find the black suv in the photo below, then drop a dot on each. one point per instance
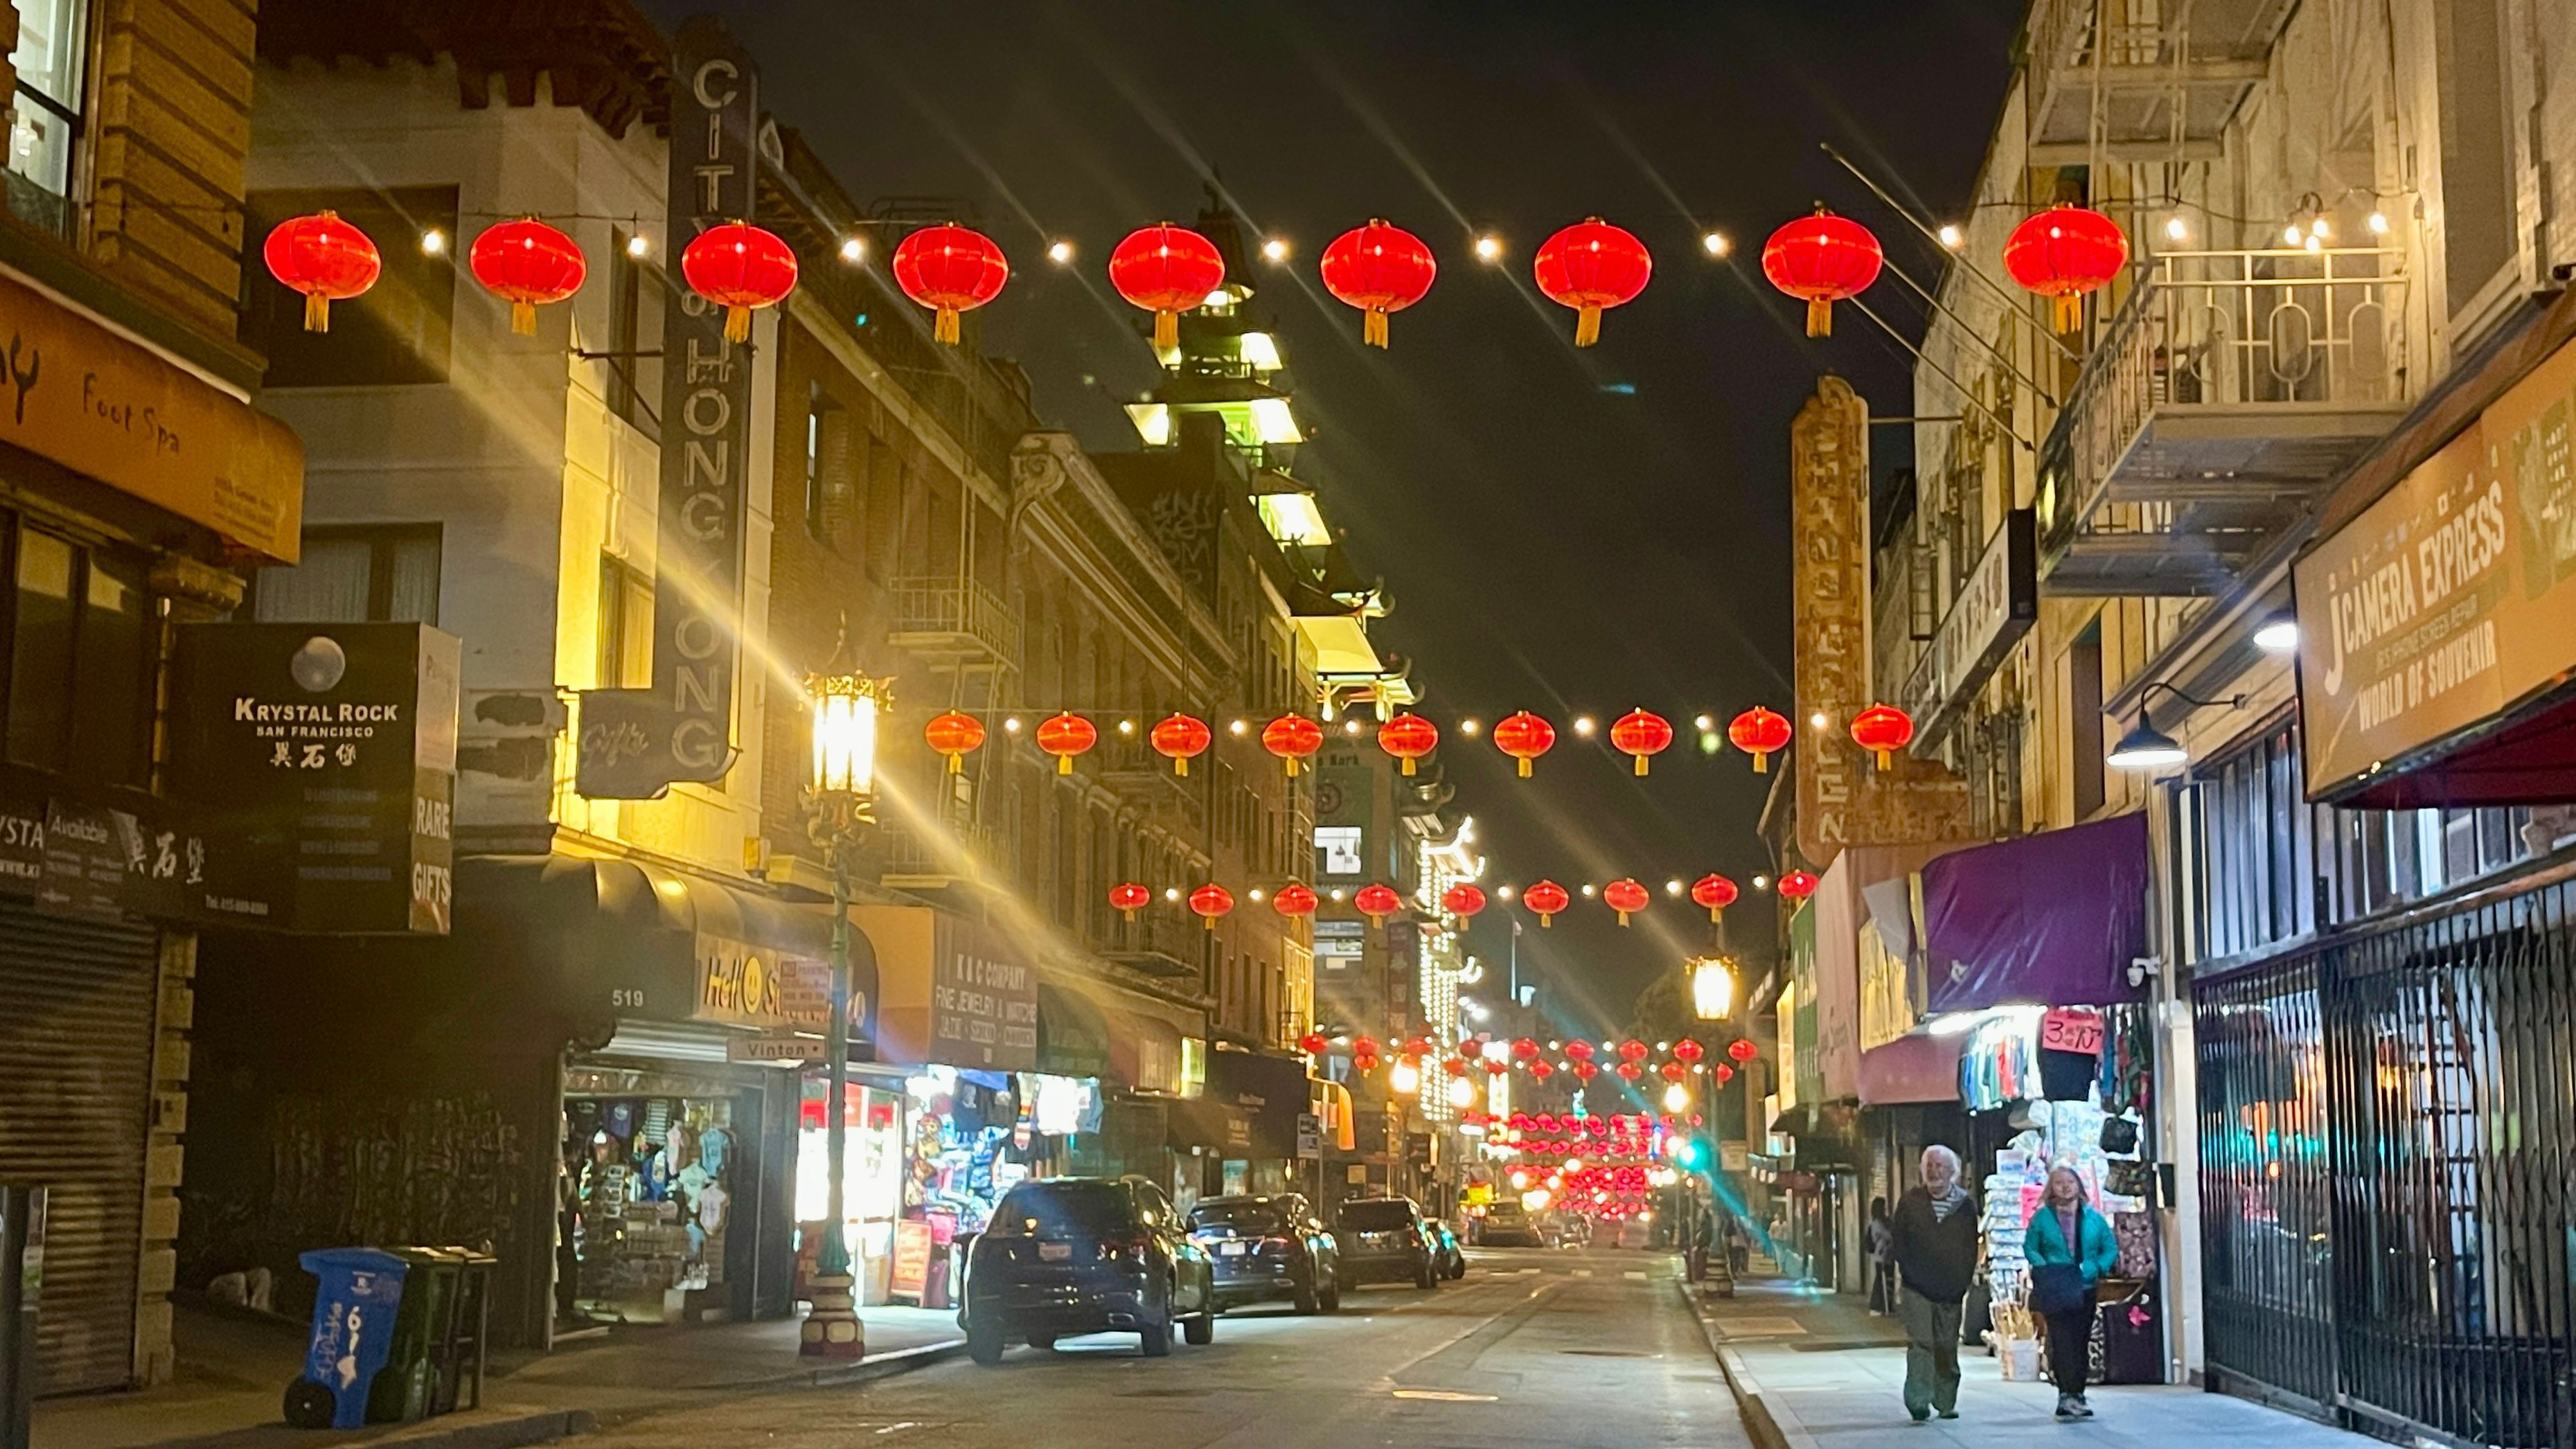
(1269, 1247)
(1385, 1240)
(1085, 1255)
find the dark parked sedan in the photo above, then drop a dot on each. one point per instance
(1384, 1240)
(1085, 1255)
(1269, 1247)
(1507, 1225)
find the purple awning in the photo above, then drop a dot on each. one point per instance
(2053, 918)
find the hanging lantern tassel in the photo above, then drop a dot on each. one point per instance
(737, 324)
(1623, 918)
(1886, 759)
(2070, 312)
(1167, 335)
(1820, 317)
(1373, 328)
(317, 313)
(943, 326)
(1762, 762)
(957, 766)
(1587, 326)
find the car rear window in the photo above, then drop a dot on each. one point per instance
(1258, 1216)
(1053, 1209)
(1503, 1212)
(1376, 1216)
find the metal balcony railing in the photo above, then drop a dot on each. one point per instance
(2145, 83)
(2225, 393)
(949, 853)
(1155, 942)
(951, 615)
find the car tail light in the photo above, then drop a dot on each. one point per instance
(1279, 1244)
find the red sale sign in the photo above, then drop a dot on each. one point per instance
(2071, 1031)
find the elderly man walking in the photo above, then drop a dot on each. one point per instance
(1935, 1234)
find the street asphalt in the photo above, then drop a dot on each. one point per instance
(1566, 1349)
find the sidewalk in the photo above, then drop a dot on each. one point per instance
(233, 1372)
(1816, 1371)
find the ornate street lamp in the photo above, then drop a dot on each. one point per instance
(840, 800)
(1712, 987)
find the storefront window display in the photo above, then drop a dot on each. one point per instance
(871, 1185)
(650, 1182)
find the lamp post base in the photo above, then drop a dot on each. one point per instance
(833, 1329)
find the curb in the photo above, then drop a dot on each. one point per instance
(1762, 1423)
(887, 1365)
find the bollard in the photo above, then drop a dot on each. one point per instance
(22, 1279)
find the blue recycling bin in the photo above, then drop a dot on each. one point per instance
(354, 1313)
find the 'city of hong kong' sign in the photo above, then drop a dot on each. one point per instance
(332, 748)
(635, 744)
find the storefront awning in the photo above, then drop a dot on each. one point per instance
(2053, 919)
(1917, 1068)
(1073, 1034)
(957, 991)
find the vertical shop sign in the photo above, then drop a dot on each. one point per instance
(681, 728)
(1841, 799)
(334, 748)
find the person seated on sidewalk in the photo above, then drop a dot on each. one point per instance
(1934, 1241)
(2070, 1248)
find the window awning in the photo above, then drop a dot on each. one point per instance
(2053, 919)
(1073, 1034)
(1341, 644)
(1916, 1068)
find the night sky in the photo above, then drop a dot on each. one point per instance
(1559, 530)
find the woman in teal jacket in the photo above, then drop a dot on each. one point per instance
(2067, 1232)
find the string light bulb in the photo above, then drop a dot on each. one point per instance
(637, 245)
(2176, 229)
(854, 249)
(1951, 236)
(2378, 223)
(433, 242)
(1715, 243)
(1275, 249)
(1060, 252)
(1489, 248)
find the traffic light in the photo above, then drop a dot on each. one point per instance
(1692, 1155)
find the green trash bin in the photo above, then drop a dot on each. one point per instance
(457, 1357)
(407, 1387)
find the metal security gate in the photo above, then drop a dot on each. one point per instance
(2388, 1131)
(76, 1024)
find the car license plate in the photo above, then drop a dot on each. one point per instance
(1054, 1252)
(1232, 1250)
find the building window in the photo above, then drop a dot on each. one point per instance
(822, 438)
(46, 121)
(2263, 865)
(2084, 712)
(354, 576)
(82, 646)
(625, 625)
(398, 331)
(634, 379)
(2477, 146)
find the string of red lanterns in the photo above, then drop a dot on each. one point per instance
(2063, 253)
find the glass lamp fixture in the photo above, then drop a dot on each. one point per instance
(1712, 987)
(845, 711)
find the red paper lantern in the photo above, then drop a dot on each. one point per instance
(1675, 1072)
(1312, 1043)
(1454, 1066)
(1797, 885)
(1688, 1052)
(1742, 1049)
(1211, 901)
(1065, 736)
(527, 264)
(2064, 253)
(1418, 1047)
(324, 258)
(1495, 1068)
(1524, 737)
(1181, 738)
(1715, 892)
(954, 735)
(739, 267)
(1292, 737)
(1365, 1046)
(1129, 897)
(1624, 896)
(1167, 270)
(1822, 259)
(950, 270)
(1760, 733)
(1408, 737)
(1547, 898)
(1630, 1071)
(1641, 734)
(1377, 902)
(1579, 1050)
(1524, 1048)
(1723, 1073)
(1633, 1050)
(1541, 1070)
(1379, 269)
(1585, 1071)
(1462, 899)
(1294, 900)
(1882, 730)
(1591, 266)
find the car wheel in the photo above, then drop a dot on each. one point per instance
(1331, 1297)
(1201, 1330)
(1042, 1341)
(1307, 1299)
(1423, 1277)
(984, 1340)
(1155, 1339)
